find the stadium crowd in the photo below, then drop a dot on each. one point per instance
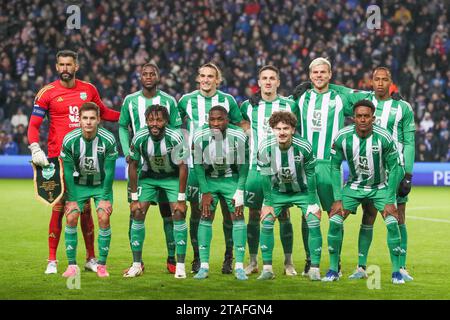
(117, 37)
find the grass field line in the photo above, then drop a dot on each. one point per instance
(428, 219)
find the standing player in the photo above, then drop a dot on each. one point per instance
(371, 155)
(397, 117)
(322, 113)
(163, 170)
(89, 154)
(221, 166)
(132, 116)
(288, 178)
(258, 115)
(60, 101)
(194, 109)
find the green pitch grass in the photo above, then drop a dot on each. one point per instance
(23, 254)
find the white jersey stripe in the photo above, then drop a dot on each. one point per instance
(323, 132)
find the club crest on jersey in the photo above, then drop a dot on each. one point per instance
(48, 171)
(101, 149)
(375, 149)
(83, 95)
(298, 158)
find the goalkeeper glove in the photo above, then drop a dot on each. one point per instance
(37, 155)
(405, 185)
(300, 89)
(255, 98)
(396, 96)
(238, 198)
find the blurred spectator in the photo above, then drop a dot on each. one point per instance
(10, 148)
(19, 119)
(427, 123)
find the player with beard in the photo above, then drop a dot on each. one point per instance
(60, 102)
(132, 118)
(162, 150)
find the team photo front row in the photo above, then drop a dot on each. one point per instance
(161, 164)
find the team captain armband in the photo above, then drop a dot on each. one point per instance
(38, 111)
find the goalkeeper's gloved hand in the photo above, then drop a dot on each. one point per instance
(300, 89)
(37, 155)
(396, 96)
(405, 185)
(238, 198)
(255, 98)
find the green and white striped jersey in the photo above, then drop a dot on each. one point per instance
(88, 157)
(321, 116)
(194, 107)
(396, 116)
(160, 157)
(258, 116)
(133, 109)
(220, 155)
(368, 158)
(289, 168)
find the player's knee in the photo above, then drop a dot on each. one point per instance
(138, 214)
(72, 219)
(103, 220)
(178, 216)
(195, 211)
(268, 223)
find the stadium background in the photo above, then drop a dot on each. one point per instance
(240, 36)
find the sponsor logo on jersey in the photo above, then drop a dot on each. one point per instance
(73, 114)
(83, 95)
(363, 165)
(285, 175)
(316, 120)
(49, 171)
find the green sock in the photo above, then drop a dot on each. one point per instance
(403, 244)
(204, 239)
(129, 229)
(71, 241)
(180, 235)
(393, 241)
(104, 241)
(170, 240)
(364, 241)
(286, 235)
(335, 240)
(193, 233)
(239, 239)
(266, 242)
(228, 233)
(253, 236)
(305, 236)
(314, 239)
(137, 239)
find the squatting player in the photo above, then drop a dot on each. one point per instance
(397, 117)
(163, 170)
(287, 165)
(194, 109)
(60, 102)
(220, 157)
(375, 169)
(89, 154)
(132, 116)
(258, 114)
